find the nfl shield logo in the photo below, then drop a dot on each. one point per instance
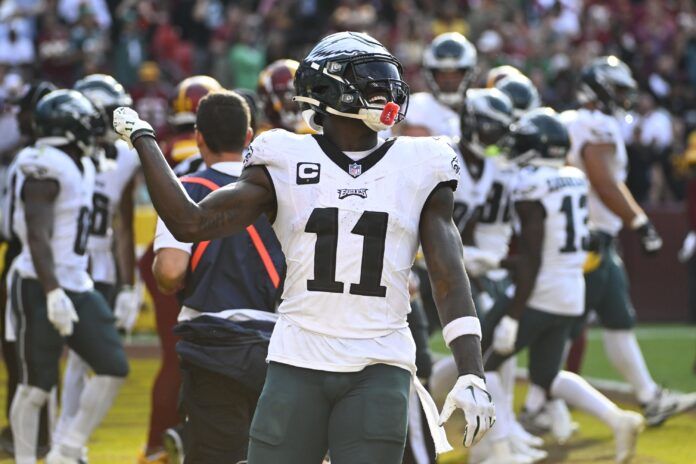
(354, 169)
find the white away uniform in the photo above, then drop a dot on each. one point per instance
(592, 126)
(108, 190)
(349, 231)
(560, 285)
(425, 110)
(72, 209)
(471, 192)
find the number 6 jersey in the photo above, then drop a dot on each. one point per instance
(71, 208)
(349, 231)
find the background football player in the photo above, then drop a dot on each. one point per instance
(449, 66)
(318, 310)
(276, 91)
(550, 202)
(113, 196)
(52, 295)
(606, 86)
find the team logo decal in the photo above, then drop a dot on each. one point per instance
(355, 169)
(247, 156)
(361, 192)
(455, 165)
(308, 173)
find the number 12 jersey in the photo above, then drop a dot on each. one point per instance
(350, 231)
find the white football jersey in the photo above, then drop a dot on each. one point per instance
(72, 210)
(471, 192)
(425, 110)
(350, 232)
(108, 190)
(592, 126)
(560, 284)
(494, 226)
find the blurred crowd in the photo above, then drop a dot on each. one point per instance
(150, 45)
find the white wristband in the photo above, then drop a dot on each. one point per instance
(467, 325)
(639, 221)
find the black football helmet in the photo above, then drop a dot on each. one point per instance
(450, 51)
(66, 117)
(538, 137)
(484, 119)
(607, 81)
(105, 93)
(26, 102)
(351, 74)
(522, 92)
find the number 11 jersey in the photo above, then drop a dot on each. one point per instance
(350, 232)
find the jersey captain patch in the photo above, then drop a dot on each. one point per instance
(308, 173)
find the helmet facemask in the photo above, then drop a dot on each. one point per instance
(362, 87)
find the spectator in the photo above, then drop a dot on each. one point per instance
(151, 96)
(16, 49)
(246, 59)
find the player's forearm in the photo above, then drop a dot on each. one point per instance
(525, 278)
(619, 200)
(42, 257)
(125, 241)
(181, 215)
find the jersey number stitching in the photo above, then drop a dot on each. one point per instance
(372, 226)
(83, 226)
(100, 215)
(571, 245)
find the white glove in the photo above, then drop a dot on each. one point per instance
(469, 394)
(127, 308)
(478, 261)
(127, 123)
(688, 247)
(505, 335)
(61, 312)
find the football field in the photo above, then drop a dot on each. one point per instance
(669, 350)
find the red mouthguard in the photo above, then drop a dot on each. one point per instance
(389, 113)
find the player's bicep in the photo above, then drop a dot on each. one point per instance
(235, 206)
(531, 215)
(38, 196)
(595, 158)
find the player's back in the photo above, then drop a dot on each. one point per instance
(72, 211)
(563, 194)
(349, 229)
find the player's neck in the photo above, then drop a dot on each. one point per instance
(349, 134)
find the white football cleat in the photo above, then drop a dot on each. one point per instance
(502, 453)
(56, 456)
(562, 425)
(667, 404)
(520, 434)
(626, 431)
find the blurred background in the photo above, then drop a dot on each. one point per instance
(151, 45)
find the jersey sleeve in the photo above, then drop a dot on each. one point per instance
(446, 167)
(40, 164)
(530, 185)
(165, 239)
(264, 150)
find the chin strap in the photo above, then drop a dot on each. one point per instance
(376, 119)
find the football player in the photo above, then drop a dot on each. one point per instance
(113, 194)
(449, 66)
(606, 86)
(550, 202)
(500, 72)
(165, 391)
(52, 295)
(349, 209)
(26, 104)
(275, 90)
(522, 92)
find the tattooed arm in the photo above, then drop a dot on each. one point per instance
(223, 212)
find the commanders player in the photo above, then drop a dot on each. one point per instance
(52, 294)
(598, 149)
(228, 289)
(113, 195)
(550, 202)
(349, 210)
(165, 391)
(449, 67)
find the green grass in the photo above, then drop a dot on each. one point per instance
(669, 352)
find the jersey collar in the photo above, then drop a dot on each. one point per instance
(352, 168)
